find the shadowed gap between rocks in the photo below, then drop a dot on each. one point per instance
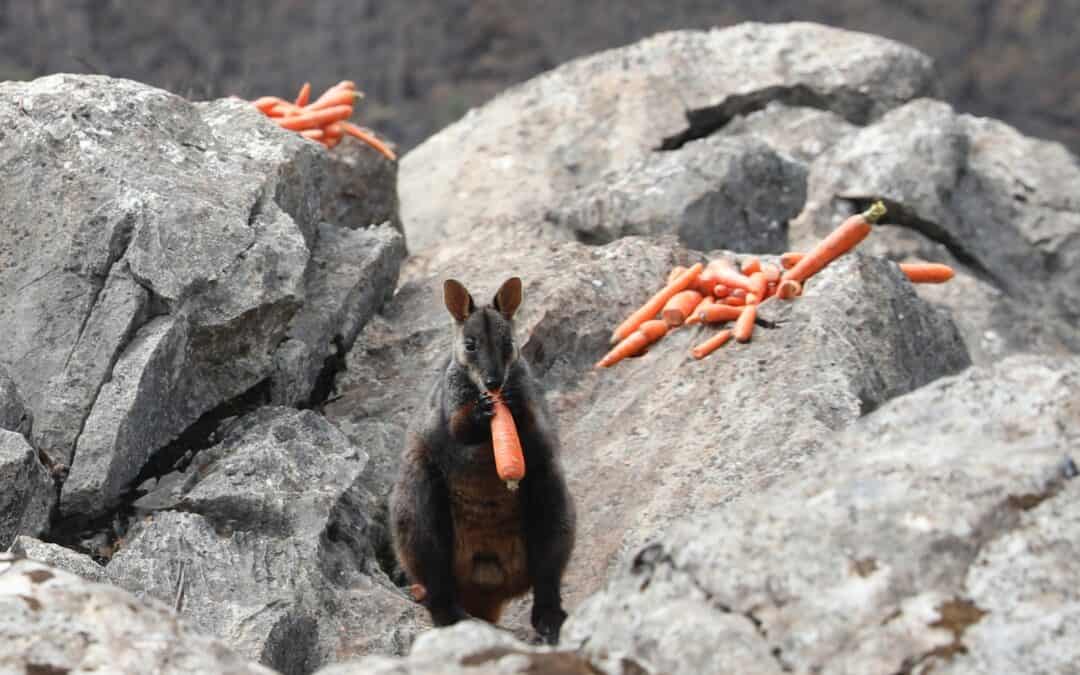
(705, 121)
(97, 537)
(902, 216)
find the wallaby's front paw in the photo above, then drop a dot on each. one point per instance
(484, 409)
(548, 623)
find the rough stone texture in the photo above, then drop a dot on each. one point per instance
(973, 192)
(363, 190)
(59, 557)
(564, 130)
(351, 274)
(13, 413)
(27, 494)
(470, 648)
(52, 621)
(638, 457)
(156, 255)
(939, 532)
(802, 133)
(272, 541)
(712, 193)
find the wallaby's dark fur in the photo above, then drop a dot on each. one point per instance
(459, 532)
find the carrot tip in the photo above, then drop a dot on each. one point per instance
(876, 211)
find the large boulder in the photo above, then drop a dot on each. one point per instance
(161, 259)
(1001, 207)
(58, 557)
(939, 532)
(52, 621)
(27, 492)
(13, 413)
(657, 439)
(567, 129)
(269, 544)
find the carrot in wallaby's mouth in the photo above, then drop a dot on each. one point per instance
(509, 459)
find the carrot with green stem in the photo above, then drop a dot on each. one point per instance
(506, 444)
(927, 273)
(838, 242)
(712, 344)
(656, 303)
(634, 344)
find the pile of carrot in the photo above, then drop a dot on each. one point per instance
(324, 120)
(722, 292)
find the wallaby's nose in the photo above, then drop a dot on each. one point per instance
(492, 383)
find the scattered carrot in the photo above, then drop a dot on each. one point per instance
(733, 278)
(505, 443)
(927, 273)
(761, 285)
(754, 298)
(744, 325)
(838, 242)
(329, 114)
(695, 316)
(656, 303)
(718, 313)
(751, 265)
(791, 259)
(772, 272)
(675, 271)
(679, 307)
(735, 300)
(712, 344)
(304, 95)
(789, 289)
(635, 343)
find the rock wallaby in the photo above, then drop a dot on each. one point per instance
(463, 537)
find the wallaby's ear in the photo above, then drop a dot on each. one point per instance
(508, 297)
(457, 299)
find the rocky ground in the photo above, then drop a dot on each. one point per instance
(220, 332)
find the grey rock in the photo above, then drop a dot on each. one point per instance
(718, 192)
(638, 457)
(801, 133)
(937, 533)
(162, 283)
(59, 557)
(52, 621)
(1001, 207)
(27, 493)
(564, 130)
(361, 188)
(13, 413)
(272, 543)
(350, 275)
(471, 648)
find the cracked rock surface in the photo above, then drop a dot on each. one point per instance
(565, 129)
(269, 543)
(27, 494)
(937, 531)
(161, 259)
(52, 621)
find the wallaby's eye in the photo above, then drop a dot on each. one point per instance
(470, 345)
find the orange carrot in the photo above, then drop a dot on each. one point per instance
(744, 326)
(656, 303)
(732, 277)
(721, 291)
(334, 96)
(718, 313)
(751, 265)
(313, 134)
(927, 273)
(265, 103)
(370, 139)
(675, 271)
(304, 95)
(753, 298)
(695, 316)
(635, 343)
(761, 285)
(838, 242)
(679, 307)
(509, 459)
(789, 289)
(771, 272)
(735, 300)
(711, 345)
(791, 259)
(771, 289)
(309, 119)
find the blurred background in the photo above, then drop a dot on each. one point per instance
(424, 63)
